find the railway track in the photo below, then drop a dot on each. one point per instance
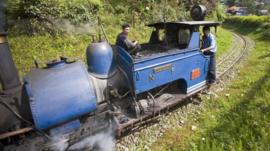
(239, 48)
(143, 137)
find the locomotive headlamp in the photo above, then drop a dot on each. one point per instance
(198, 12)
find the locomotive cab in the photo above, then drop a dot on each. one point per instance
(172, 54)
(172, 35)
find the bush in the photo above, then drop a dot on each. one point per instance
(43, 16)
(39, 15)
(79, 11)
(261, 23)
(252, 21)
(219, 13)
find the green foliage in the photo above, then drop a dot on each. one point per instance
(39, 16)
(255, 22)
(250, 4)
(79, 11)
(219, 13)
(35, 16)
(13, 8)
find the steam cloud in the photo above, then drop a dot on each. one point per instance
(66, 26)
(59, 143)
(103, 141)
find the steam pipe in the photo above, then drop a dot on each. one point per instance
(9, 77)
(2, 15)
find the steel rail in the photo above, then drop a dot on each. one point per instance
(237, 59)
(235, 44)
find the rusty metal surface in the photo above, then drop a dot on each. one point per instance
(17, 132)
(136, 121)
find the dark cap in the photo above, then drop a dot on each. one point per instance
(206, 28)
(125, 26)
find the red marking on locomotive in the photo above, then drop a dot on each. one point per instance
(195, 74)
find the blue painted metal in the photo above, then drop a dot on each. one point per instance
(59, 94)
(100, 59)
(157, 70)
(194, 41)
(125, 61)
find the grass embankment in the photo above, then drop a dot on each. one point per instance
(224, 41)
(239, 118)
(26, 48)
(43, 48)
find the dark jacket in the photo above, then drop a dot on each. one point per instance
(122, 41)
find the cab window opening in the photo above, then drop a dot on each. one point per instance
(184, 35)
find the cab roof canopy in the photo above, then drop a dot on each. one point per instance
(185, 24)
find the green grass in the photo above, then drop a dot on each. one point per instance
(224, 41)
(43, 48)
(238, 121)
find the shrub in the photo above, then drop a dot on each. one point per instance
(252, 21)
(257, 22)
(219, 13)
(39, 15)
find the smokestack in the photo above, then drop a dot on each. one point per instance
(9, 77)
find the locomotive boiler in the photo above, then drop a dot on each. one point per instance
(113, 90)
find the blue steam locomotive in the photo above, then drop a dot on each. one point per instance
(114, 88)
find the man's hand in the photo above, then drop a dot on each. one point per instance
(202, 50)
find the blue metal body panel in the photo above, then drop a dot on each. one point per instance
(59, 94)
(125, 62)
(157, 70)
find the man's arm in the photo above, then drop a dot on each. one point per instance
(130, 44)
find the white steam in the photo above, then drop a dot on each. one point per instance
(103, 141)
(59, 143)
(83, 28)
